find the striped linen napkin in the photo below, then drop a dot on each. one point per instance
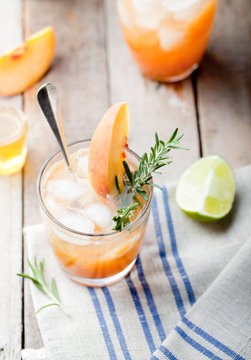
(187, 298)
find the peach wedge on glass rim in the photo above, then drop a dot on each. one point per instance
(25, 65)
(106, 153)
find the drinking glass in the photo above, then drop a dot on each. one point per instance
(13, 130)
(167, 38)
(93, 259)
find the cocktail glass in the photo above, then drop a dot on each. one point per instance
(167, 38)
(13, 130)
(87, 258)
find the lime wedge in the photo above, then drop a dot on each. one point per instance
(206, 190)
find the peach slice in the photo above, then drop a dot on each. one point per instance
(106, 153)
(25, 65)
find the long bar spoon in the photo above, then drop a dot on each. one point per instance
(47, 97)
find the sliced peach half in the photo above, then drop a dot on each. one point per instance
(25, 65)
(106, 153)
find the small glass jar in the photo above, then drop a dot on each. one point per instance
(167, 38)
(13, 130)
(93, 259)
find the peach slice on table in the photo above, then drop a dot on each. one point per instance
(25, 65)
(106, 153)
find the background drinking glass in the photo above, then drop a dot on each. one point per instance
(13, 130)
(92, 259)
(167, 38)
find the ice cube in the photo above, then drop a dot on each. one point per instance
(82, 166)
(149, 13)
(179, 5)
(77, 221)
(65, 190)
(54, 207)
(169, 37)
(186, 10)
(143, 7)
(100, 213)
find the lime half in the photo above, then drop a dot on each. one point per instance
(206, 190)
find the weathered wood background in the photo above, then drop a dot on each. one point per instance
(93, 69)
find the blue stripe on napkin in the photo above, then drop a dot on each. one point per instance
(167, 353)
(212, 340)
(150, 300)
(141, 314)
(102, 323)
(116, 323)
(175, 252)
(196, 345)
(165, 263)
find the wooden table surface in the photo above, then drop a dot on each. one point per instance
(93, 69)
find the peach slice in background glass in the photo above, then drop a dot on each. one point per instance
(167, 38)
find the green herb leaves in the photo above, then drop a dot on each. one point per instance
(122, 219)
(149, 164)
(38, 279)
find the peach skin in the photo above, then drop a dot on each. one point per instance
(25, 65)
(106, 152)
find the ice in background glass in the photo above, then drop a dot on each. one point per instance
(79, 222)
(13, 130)
(167, 38)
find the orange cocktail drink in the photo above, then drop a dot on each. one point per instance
(167, 38)
(78, 221)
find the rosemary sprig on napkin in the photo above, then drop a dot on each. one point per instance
(42, 285)
(149, 164)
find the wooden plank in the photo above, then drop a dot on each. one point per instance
(10, 264)
(11, 214)
(224, 85)
(79, 72)
(153, 106)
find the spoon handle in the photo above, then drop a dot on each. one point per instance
(47, 97)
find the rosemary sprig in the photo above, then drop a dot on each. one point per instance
(123, 217)
(38, 279)
(149, 164)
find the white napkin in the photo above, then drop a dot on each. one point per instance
(188, 296)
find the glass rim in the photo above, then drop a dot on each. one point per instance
(58, 223)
